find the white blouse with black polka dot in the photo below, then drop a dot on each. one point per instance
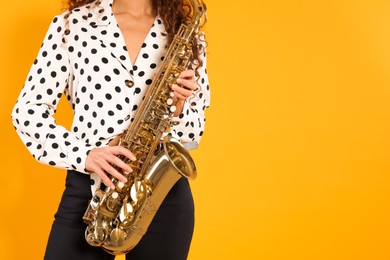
(91, 66)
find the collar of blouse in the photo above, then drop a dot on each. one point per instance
(102, 20)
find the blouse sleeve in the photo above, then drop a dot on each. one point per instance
(32, 114)
(191, 122)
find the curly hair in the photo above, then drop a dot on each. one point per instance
(172, 12)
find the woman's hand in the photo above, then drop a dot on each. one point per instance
(184, 89)
(101, 161)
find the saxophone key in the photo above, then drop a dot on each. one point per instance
(113, 202)
(126, 212)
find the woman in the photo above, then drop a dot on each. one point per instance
(103, 55)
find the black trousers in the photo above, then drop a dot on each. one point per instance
(168, 237)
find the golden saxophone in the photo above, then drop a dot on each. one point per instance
(117, 219)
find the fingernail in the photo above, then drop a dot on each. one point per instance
(124, 180)
(179, 81)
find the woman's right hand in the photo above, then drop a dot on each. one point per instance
(101, 161)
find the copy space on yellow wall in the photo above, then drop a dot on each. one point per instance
(294, 163)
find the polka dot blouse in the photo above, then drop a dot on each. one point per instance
(92, 69)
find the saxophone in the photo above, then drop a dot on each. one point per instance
(118, 218)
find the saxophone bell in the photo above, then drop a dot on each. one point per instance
(173, 157)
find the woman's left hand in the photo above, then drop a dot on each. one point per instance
(184, 89)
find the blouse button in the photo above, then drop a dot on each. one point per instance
(129, 83)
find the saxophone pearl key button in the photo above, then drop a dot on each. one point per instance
(115, 195)
(170, 101)
(173, 109)
(121, 185)
(129, 83)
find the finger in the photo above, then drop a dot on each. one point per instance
(113, 172)
(187, 83)
(117, 150)
(174, 98)
(103, 176)
(187, 74)
(182, 91)
(121, 164)
(180, 96)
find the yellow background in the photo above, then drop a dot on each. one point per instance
(294, 163)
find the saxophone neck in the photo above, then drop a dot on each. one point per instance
(198, 15)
